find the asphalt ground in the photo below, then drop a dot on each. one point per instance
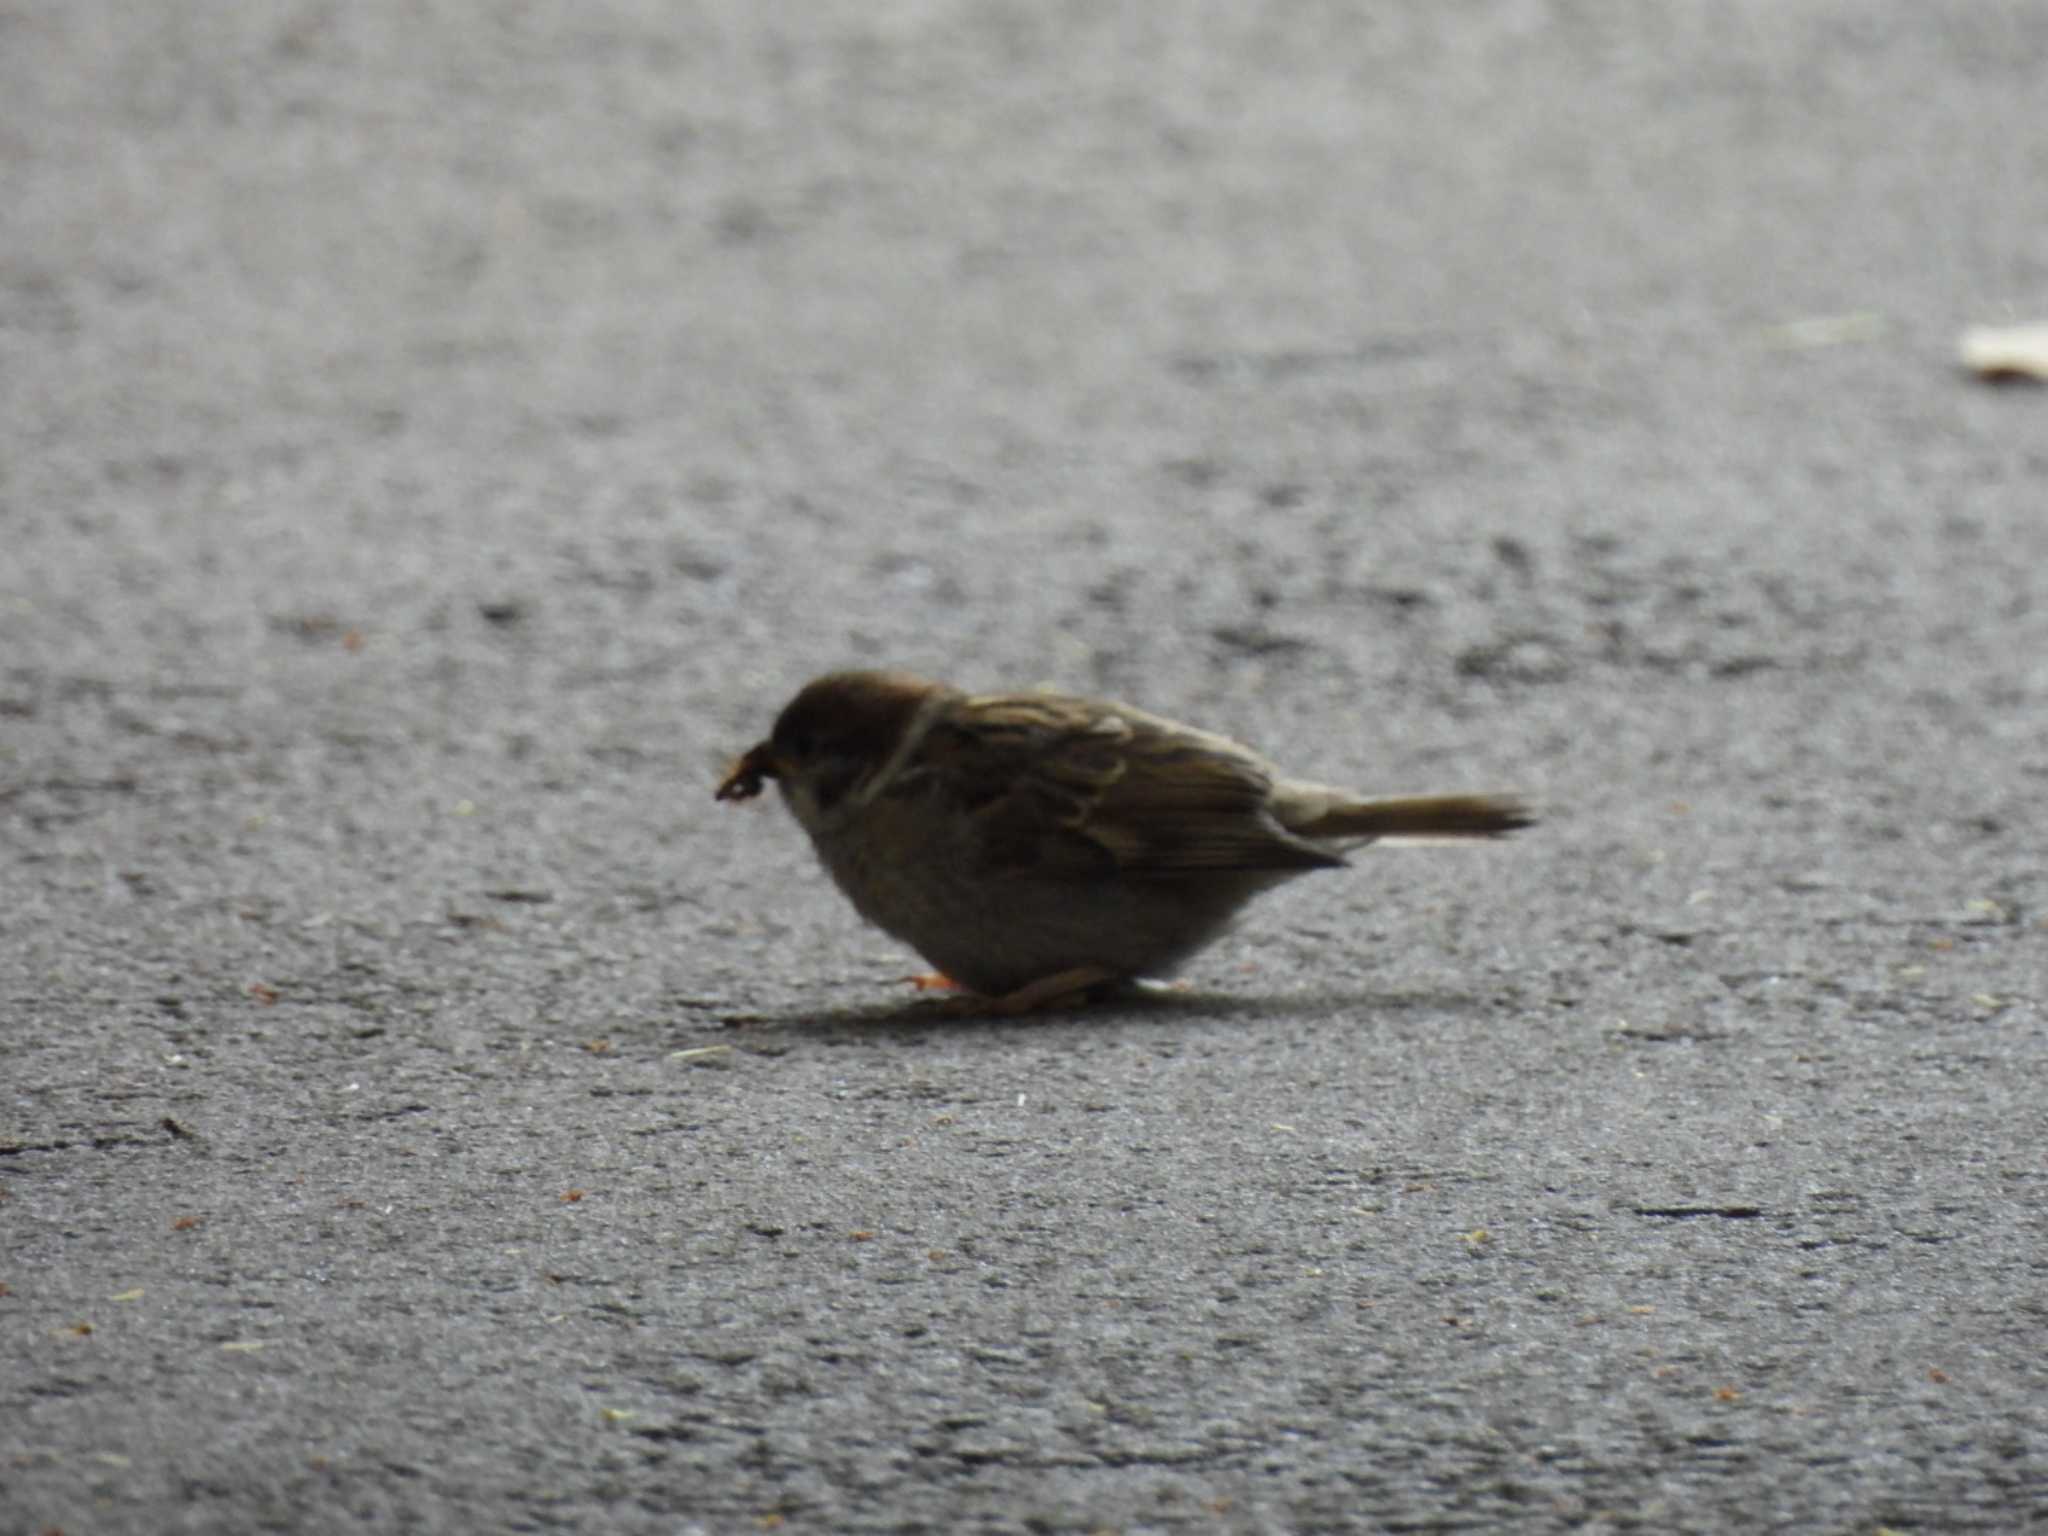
(436, 436)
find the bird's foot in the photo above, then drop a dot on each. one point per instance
(1062, 989)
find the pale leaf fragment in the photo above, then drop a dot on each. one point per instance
(719, 1056)
(2007, 353)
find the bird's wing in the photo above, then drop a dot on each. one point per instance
(1057, 784)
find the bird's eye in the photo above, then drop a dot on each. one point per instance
(798, 744)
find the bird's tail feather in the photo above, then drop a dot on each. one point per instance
(1419, 817)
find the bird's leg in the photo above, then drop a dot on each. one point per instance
(1062, 989)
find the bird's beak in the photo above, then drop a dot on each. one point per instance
(743, 780)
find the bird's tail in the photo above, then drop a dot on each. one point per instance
(1421, 818)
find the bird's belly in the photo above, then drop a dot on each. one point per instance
(998, 932)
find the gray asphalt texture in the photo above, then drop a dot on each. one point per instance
(436, 436)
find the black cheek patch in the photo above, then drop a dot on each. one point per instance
(833, 781)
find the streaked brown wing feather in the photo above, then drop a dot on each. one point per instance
(1061, 785)
(1195, 802)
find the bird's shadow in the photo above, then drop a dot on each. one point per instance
(1123, 1007)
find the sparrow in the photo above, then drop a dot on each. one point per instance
(1036, 847)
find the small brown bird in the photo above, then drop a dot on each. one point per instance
(1036, 846)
